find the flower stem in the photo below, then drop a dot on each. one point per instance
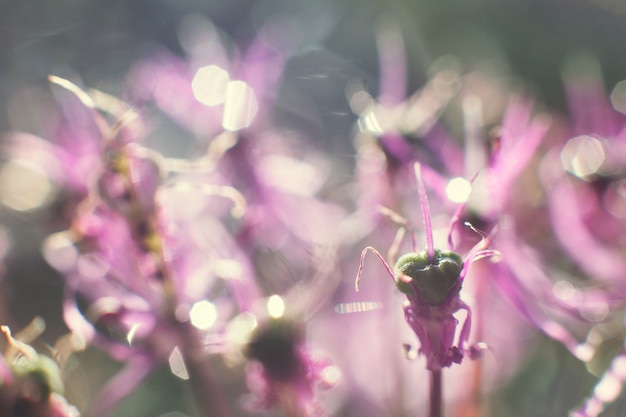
(206, 390)
(290, 402)
(436, 404)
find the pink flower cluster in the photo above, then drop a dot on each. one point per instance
(227, 249)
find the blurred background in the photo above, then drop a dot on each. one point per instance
(332, 43)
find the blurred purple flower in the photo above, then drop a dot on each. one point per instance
(136, 270)
(285, 372)
(584, 176)
(155, 273)
(217, 86)
(585, 182)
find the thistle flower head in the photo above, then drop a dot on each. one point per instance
(432, 280)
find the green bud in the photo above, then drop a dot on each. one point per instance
(42, 371)
(434, 280)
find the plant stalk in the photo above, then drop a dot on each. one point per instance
(436, 394)
(208, 395)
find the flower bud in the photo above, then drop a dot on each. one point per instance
(38, 376)
(275, 345)
(431, 280)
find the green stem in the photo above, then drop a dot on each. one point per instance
(436, 403)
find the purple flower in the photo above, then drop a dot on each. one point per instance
(584, 175)
(585, 182)
(138, 267)
(284, 371)
(145, 255)
(217, 86)
(432, 280)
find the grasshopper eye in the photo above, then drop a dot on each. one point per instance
(432, 281)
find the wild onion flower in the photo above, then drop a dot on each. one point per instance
(284, 371)
(217, 86)
(585, 181)
(490, 170)
(432, 280)
(393, 117)
(144, 254)
(585, 178)
(139, 271)
(224, 93)
(521, 278)
(58, 168)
